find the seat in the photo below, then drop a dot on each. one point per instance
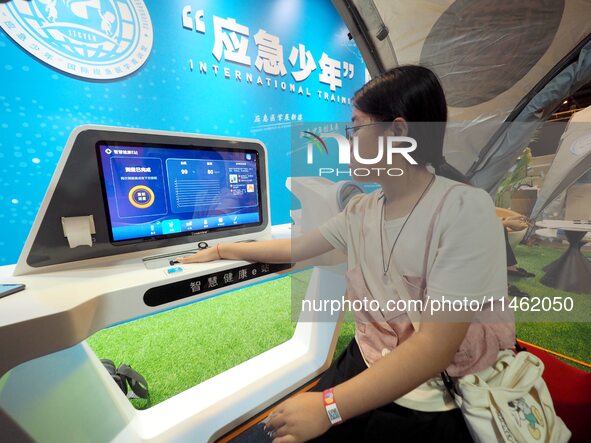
(570, 388)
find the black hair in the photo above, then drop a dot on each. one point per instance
(414, 94)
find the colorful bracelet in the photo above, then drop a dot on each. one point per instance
(331, 407)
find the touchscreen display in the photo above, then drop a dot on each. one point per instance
(156, 191)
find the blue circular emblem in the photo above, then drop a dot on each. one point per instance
(97, 39)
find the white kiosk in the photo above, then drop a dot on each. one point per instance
(122, 204)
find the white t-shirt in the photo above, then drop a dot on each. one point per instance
(466, 258)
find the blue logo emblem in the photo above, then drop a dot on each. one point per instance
(97, 39)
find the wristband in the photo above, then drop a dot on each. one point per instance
(217, 248)
(331, 407)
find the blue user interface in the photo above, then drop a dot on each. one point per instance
(155, 191)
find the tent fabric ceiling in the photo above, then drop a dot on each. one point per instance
(474, 70)
(508, 145)
(491, 57)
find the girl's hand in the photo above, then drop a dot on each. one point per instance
(201, 256)
(299, 419)
(515, 225)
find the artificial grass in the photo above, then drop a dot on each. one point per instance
(178, 349)
(571, 337)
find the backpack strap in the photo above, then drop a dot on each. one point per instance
(137, 383)
(112, 370)
(396, 277)
(447, 380)
(430, 232)
(125, 375)
(109, 366)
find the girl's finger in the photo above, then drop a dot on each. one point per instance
(281, 431)
(189, 259)
(275, 422)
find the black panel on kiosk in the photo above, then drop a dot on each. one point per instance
(142, 196)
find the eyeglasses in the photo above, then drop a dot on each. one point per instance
(350, 131)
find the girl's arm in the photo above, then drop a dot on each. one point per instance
(423, 356)
(288, 250)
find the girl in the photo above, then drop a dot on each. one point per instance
(441, 239)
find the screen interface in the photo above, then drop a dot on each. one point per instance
(156, 191)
